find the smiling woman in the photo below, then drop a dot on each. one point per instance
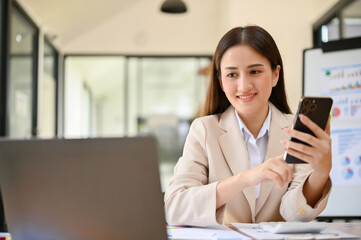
(232, 167)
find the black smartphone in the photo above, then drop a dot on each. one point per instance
(318, 110)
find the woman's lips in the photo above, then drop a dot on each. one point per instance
(247, 97)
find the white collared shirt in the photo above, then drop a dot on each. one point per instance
(256, 147)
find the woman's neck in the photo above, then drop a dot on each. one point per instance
(254, 122)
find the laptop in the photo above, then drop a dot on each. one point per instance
(75, 189)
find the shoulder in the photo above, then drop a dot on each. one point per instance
(289, 117)
(223, 121)
(201, 132)
(206, 122)
(283, 119)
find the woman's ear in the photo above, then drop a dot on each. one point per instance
(275, 75)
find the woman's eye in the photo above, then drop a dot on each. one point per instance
(232, 75)
(255, 71)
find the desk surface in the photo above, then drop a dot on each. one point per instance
(353, 228)
(249, 231)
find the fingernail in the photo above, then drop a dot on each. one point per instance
(286, 130)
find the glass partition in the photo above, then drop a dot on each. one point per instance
(117, 96)
(48, 89)
(22, 77)
(169, 92)
(94, 96)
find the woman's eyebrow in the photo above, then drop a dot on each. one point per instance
(232, 68)
(255, 65)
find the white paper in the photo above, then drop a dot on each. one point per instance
(195, 233)
(253, 230)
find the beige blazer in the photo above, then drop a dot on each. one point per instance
(215, 150)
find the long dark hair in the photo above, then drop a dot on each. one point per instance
(261, 41)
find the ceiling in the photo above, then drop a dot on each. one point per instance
(61, 21)
(126, 26)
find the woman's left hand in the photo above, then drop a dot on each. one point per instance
(318, 154)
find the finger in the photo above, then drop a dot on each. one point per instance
(280, 167)
(311, 125)
(300, 155)
(328, 126)
(273, 176)
(288, 174)
(299, 147)
(316, 145)
(304, 137)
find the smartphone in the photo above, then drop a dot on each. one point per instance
(318, 110)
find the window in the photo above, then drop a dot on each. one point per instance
(48, 92)
(22, 85)
(341, 22)
(351, 16)
(166, 95)
(94, 96)
(120, 95)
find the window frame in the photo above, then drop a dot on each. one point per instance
(334, 12)
(4, 63)
(35, 66)
(56, 77)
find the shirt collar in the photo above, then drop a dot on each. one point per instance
(265, 127)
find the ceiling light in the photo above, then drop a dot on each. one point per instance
(173, 6)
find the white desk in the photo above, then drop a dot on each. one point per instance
(353, 228)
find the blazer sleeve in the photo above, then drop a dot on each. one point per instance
(190, 199)
(294, 205)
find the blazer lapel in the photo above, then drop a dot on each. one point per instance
(235, 152)
(274, 148)
(232, 143)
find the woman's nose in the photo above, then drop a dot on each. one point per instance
(244, 84)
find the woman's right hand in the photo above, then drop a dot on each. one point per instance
(274, 169)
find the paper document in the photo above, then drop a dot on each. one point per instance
(194, 233)
(254, 231)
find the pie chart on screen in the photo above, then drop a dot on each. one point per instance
(347, 173)
(345, 161)
(336, 111)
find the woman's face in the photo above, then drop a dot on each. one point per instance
(247, 80)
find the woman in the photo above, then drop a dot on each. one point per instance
(232, 168)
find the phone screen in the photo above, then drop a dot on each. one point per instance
(318, 110)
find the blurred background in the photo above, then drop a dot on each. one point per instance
(91, 68)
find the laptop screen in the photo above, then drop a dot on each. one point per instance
(104, 188)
